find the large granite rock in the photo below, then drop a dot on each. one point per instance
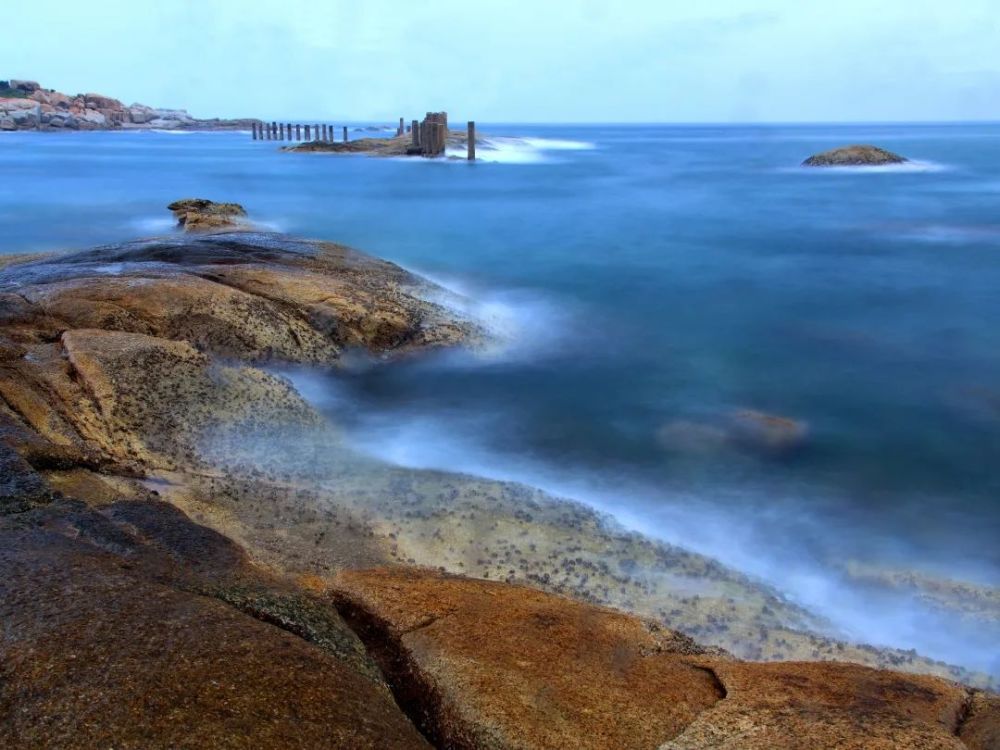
(128, 626)
(491, 665)
(126, 371)
(854, 156)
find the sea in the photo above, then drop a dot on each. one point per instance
(793, 370)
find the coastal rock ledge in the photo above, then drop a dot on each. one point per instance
(854, 156)
(154, 595)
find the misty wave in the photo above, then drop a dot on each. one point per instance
(153, 224)
(771, 540)
(529, 150)
(519, 323)
(945, 234)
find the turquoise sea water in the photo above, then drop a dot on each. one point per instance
(651, 282)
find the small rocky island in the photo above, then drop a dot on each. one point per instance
(190, 556)
(854, 156)
(430, 137)
(25, 105)
(400, 145)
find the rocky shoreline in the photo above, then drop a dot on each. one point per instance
(25, 105)
(191, 556)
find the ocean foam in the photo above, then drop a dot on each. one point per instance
(154, 224)
(521, 323)
(909, 167)
(510, 150)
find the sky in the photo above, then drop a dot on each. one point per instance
(519, 61)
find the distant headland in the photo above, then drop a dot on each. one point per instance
(25, 105)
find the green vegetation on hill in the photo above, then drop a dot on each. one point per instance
(6, 92)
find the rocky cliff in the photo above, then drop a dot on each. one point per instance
(25, 105)
(189, 557)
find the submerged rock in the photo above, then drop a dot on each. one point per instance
(747, 430)
(854, 156)
(769, 434)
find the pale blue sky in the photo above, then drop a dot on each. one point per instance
(511, 60)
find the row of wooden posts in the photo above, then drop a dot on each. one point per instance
(429, 136)
(280, 131)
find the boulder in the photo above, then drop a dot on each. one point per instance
(98, 101)
(7, 123)
(26, 118)
(140, 114)
(92, 118)
(25, 86)
(202, 215)
(854, 156)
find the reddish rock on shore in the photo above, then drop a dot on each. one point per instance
(128, 623)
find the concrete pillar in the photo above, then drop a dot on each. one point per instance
(345, 134)
(253, 130)
(326, 132)
(415, 133)
(401, 127)
(472, 140)
(274, 131)
(308, 133)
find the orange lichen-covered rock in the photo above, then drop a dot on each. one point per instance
(813, 705)
(98, 653)
(492, 665)
(484, 664)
